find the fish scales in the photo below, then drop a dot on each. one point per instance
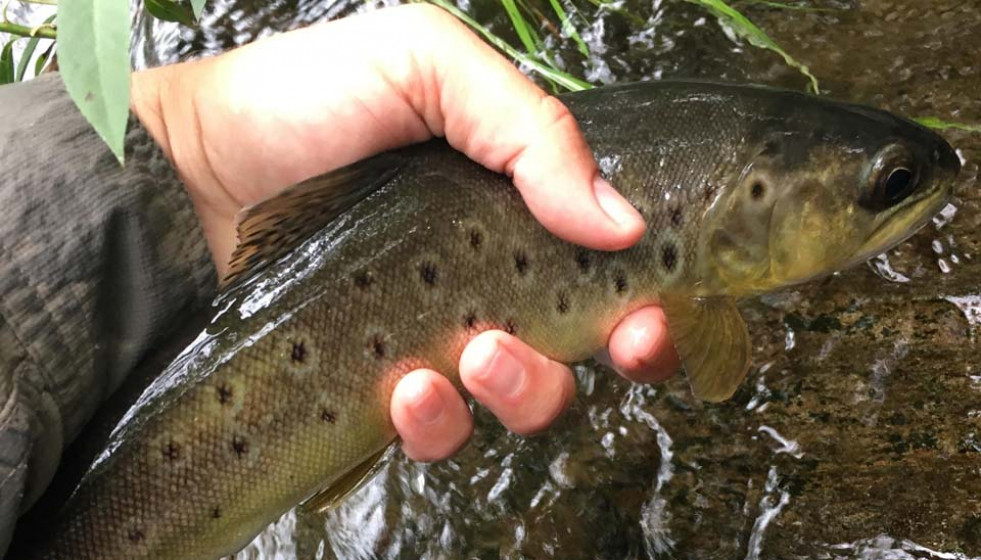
(288, 388)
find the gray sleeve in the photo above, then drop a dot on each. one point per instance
(97, 263)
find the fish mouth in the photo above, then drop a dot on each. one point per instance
(902, 222)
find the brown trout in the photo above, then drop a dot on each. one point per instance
(347, 281)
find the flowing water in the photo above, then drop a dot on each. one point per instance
(858, 433)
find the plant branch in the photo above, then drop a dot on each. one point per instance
(44, 31)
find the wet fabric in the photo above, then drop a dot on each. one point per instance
(98, 263)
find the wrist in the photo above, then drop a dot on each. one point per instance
(163, 101)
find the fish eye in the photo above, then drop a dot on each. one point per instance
(893, 177)
(897, 183)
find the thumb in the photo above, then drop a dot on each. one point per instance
(559, 181)
(490, 111)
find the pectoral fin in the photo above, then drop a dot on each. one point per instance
(712, 342)
(349, 483)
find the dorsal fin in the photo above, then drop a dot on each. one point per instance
(276, 226)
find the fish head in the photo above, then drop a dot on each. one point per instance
(822, 186)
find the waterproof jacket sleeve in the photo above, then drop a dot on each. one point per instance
(98, 263)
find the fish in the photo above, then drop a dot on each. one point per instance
(345, 282)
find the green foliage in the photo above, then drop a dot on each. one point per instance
(746, 29)
(568, 28)
(94, 42)
(43, 59)
(25, 57)
(550, 73)
(940, 124)
(529, 37)
(168, 10)
(93, 51)
(198, 7)
(7, 63)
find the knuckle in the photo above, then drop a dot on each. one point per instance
(552, 113)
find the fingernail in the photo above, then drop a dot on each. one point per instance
(614, 205)
(426, 404)
(642, 342)
(504, 375)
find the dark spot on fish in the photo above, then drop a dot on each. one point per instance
(476, 238)
(757, 190)
(216, 512)
(470, 321)
(583, 260)
(240, 446)
(676, 217)
(771, 147)
(708, 193)
(328, 416)
(377, 346)
(669, 257)
(562, 306)
(521, 262)
(172, 451)
(428, 272)
(364, 280)
(299, 353)
(225, 393)
(136, 535)
(510, 326)
(620, 281)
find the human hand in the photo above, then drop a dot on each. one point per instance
(244, 125)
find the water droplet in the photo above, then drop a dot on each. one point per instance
(883, 268)
(945, 216)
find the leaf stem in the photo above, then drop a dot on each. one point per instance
(43, 31)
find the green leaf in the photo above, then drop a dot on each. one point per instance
(940, 124)
(168, 10)
(526, 33)
(93, 56)
(43, 59)
(554, 75)
(29, 52)
(568, 28)
(745, 28)
(198, 7)
(7, 63)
